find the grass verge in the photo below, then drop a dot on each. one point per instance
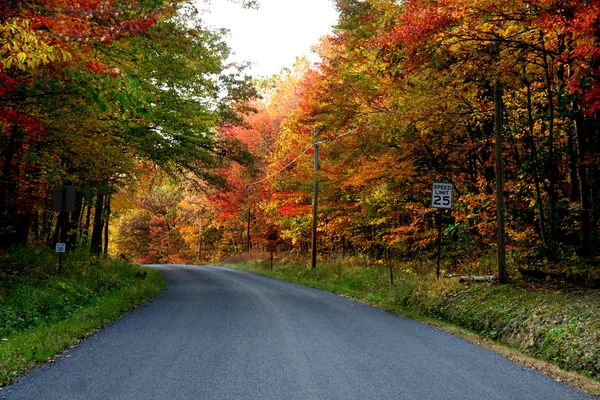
(554, 331)
(41, 316)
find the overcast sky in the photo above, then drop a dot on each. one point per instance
(274, 35)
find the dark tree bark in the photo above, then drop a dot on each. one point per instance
(73, 222)
(106, 221)
(582, 145)
(96, 242)
(8, 212)
(498, 120)
(551, 158)
(534, 168)
(85, 232)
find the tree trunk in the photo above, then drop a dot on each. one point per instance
(534, 168)
(499, 112)
(60, 230)
(85, 232)
(96, 242)
(74, 222)
(8, 211)
(107, 218)
(551, 160)
(498, 120)
(582, 145)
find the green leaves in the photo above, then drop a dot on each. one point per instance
(94, 95)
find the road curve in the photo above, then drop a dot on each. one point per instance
(218, 333)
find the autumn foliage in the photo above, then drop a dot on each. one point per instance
(92, 92)
(403, 97)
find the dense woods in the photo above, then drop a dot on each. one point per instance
(404, 97)
(132, 103)
(95, 93)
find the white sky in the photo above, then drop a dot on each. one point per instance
(274, 35)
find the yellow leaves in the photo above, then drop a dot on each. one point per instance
(65, 55)
(25, 48)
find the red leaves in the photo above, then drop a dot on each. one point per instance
(10, 117)
(7, 84)
(416, 28)
(82, 22)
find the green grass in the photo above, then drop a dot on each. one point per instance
(42, 312)
(562, 327)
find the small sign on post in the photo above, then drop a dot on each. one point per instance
(61, 248)
(272, 236)
(441, 198)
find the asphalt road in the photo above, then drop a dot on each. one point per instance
(217, 333)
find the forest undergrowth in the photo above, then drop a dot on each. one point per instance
(44, 311)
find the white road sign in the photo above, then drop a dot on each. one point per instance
(61, 247)
(441, 195)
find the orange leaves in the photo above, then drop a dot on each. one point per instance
(10, 118)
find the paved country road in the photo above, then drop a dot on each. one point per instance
(217, 333)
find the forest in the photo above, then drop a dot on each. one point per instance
(179, 157)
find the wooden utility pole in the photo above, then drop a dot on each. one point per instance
(248, 215)
(248, 245)
(199, 241)
(314, 204)
(498, 116)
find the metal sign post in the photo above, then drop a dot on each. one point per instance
(441, 198)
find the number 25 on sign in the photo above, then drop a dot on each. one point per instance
(441, 195)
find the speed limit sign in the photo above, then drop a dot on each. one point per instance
(441, 195)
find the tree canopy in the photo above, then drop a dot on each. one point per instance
(137, 94)
(93, 90)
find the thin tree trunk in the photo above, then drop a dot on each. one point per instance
(73, 222)
(60, 228)
(107, 216)
(551, 161)
(534, 167)
(8, 211)
(498, 120)
(47, 227)
(96, 242)
(499, 112)
(80, 223)
(568, 128)
(86, 227)
(586, 228)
